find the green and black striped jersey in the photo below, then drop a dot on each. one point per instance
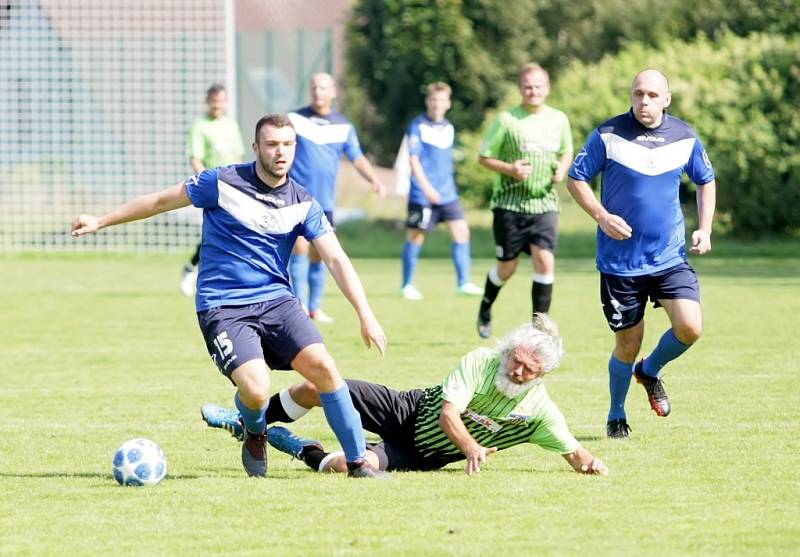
(493, 419)
(541, 139)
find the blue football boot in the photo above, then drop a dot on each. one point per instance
(287, 442)
(223, 418)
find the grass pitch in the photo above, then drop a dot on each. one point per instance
(99, 349)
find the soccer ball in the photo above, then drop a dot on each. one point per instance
(139, 462)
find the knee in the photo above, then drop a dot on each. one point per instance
(253, 389)
(688, 333)
(324, 375)
(627, 349)
(505, 269)
(253, 396)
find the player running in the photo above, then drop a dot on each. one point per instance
(251, 321)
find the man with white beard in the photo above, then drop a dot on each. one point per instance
(493, 400)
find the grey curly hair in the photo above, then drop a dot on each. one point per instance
(540, 337)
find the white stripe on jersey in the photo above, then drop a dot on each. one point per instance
(320, 134)
(257, 216)
(650, 162)
(441, 137)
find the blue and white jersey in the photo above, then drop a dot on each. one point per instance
(642, 169)
(432, 142)
(321, 140)
(249, 230)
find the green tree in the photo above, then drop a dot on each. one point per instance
(395, 47)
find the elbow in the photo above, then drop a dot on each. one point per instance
(571, 186)
(443, 421)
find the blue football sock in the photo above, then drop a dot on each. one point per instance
(667, 349)
(298, 273)
(254, 420)
(462, 261)
(619, 379)
(345, 422)
(410, 258)
(317, 273)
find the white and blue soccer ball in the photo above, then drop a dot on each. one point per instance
(139, 462)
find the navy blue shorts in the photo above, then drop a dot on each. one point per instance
(515, 232)
(274, 331)
(625, 298)
(426, 218)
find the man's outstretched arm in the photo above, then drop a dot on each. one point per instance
(138, 208)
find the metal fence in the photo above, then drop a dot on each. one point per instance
(96, 99)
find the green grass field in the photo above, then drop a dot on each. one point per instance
(98, 349)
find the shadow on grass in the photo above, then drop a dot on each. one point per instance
(90, 475)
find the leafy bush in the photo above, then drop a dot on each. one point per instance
(740, 94)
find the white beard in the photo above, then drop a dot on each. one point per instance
(505, 385)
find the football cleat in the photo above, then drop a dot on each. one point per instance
(320, 316)
(484, 324)
(656, 395)
(410, 292)
(469, 289)
(363, 469)
(618, 429)
(254, 453)
(289, 443)
(188, 282)
(223, 418)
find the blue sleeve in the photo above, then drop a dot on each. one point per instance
(352, 148)
(591, 160)
(414, 139)
(699, 166)
(316, 223)
(203, 188)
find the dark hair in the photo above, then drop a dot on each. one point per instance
(214, 89)
(274, 120)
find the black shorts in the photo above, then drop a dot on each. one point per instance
(425, 218)
(625, 298)
(391, 415)
(274, 331)
(515, 232)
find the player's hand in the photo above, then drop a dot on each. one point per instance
(85, 224)
(521, 169)
(701, 242)
(373, 335)
(559, 175)
(379, 189)
(433, 196)
(476, 457)
(615, 227)
(596, 467)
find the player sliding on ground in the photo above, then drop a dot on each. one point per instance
(493, 400)
(251, 321)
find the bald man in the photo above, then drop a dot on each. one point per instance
(641, 248)
(323, 135)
